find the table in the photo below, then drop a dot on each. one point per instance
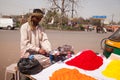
(46, 73)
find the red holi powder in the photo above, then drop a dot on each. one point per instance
(87, 60)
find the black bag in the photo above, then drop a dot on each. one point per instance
(29, 66)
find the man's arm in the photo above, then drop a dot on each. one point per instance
(45, 44)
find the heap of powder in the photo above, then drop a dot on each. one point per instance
(87, 60)
(69, 74)
(112, 70)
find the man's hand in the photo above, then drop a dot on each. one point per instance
(26, 55)
(42, 51)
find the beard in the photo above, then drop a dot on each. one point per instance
(35, 23)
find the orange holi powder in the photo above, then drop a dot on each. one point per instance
(69, 74)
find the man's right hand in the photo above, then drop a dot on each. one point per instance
(42, 51)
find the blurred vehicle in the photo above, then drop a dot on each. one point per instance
(91, 27)
(112, 44)
(7, 23)
(109, 29)
(112, 28)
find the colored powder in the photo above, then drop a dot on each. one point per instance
(87, 60)
(69, 74)
(113, 70)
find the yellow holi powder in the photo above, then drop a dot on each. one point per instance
(113, 70)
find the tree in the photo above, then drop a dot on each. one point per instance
(52, 14)
(64, 6)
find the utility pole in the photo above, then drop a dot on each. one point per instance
(119, 19)
(112, 19)
(72, 8)
(0, 14)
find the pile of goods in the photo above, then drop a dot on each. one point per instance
(87, 60)
(69, 74)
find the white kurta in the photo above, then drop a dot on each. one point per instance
(33, 39)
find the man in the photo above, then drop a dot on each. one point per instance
(33, 38)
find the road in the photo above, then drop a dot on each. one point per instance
(80, 40)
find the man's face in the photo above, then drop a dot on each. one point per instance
(36, 20)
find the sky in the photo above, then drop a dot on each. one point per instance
(85, 8)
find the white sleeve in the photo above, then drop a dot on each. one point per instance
(45, 44)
